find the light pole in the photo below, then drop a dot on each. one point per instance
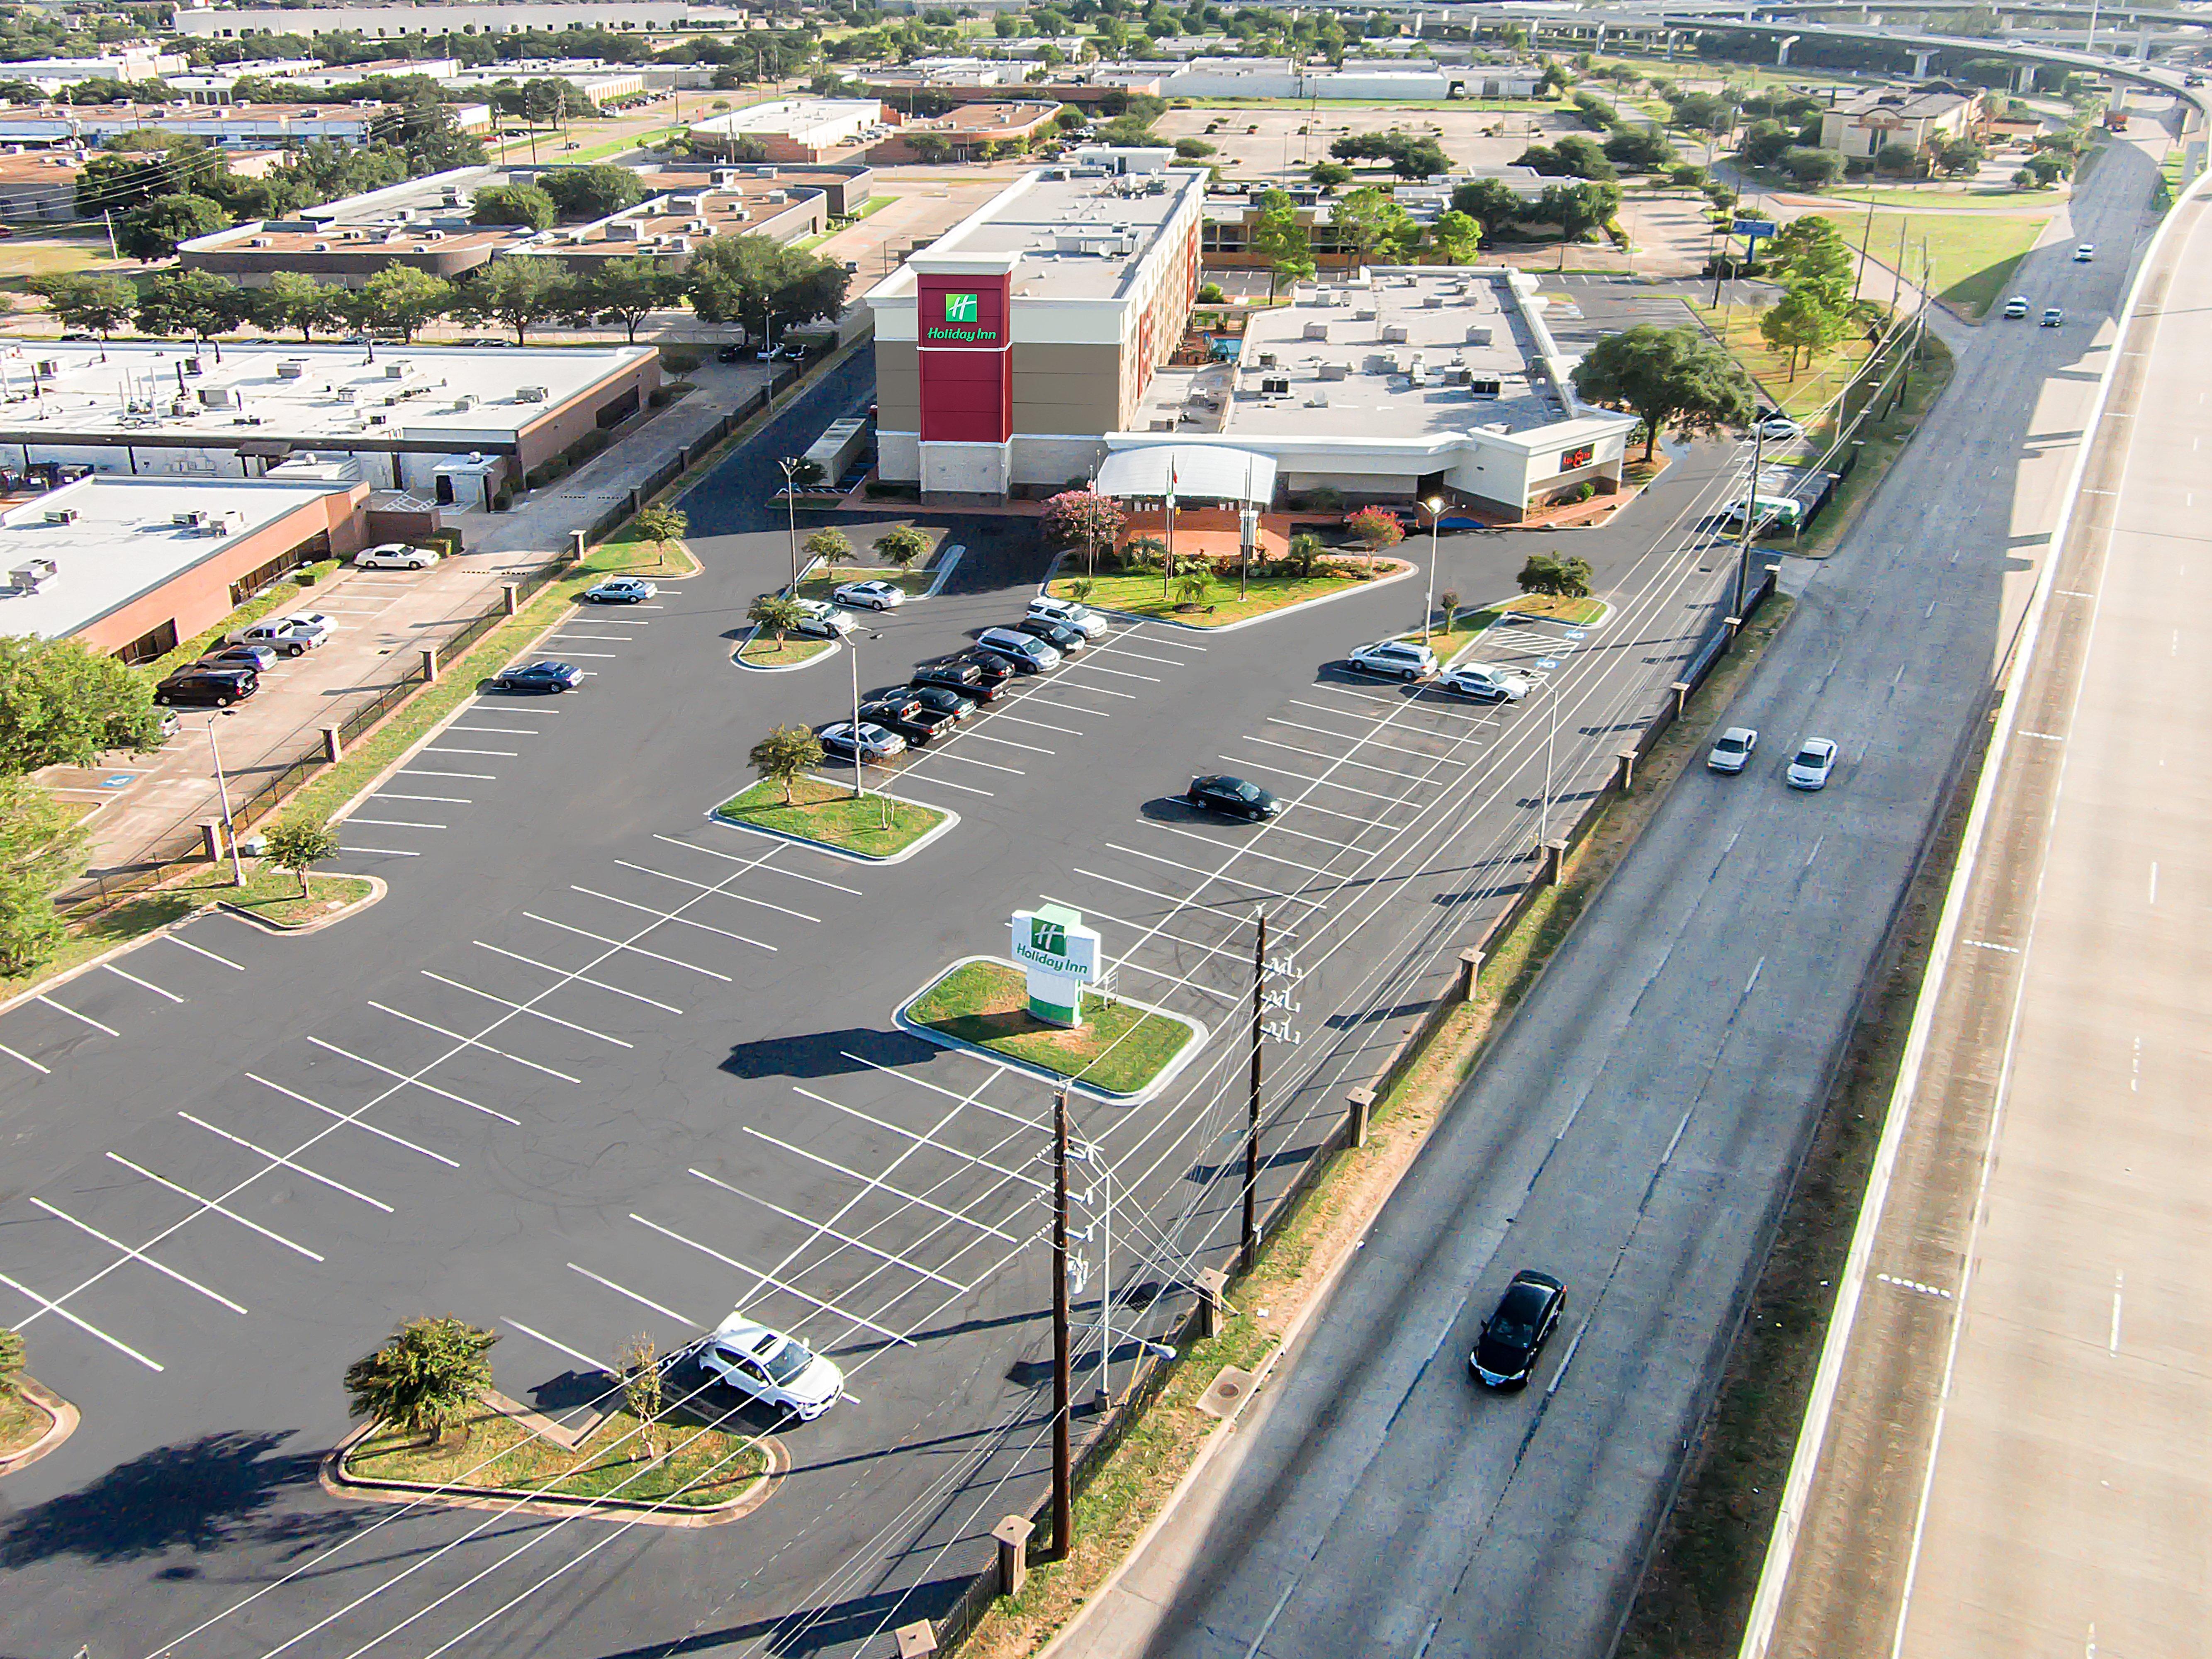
(223, 788)
(1436, 506)
(853, 649)
(789, 464)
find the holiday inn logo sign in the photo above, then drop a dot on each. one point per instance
(962, 322)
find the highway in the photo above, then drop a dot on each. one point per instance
(1636, 1131)
(2015, 1464)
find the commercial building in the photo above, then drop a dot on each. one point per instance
(588, 75)
(39, 184)
(235, 125)
(966, 132)
(54, 75)
(1009, 346)
(1862, 126)
(977, 80)
(670, 228)
(500, 17)
(132, 566)
(444, 423)
(1281, 77)
(793, 130)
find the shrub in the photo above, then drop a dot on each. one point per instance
(1553, 573)
(904, 547)
(679, 361)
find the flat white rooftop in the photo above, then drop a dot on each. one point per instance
(124, 542)
(452, 397)
(1078, 238)
(796, 117)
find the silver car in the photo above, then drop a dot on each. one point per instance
(1814, 761)
(1734, 749)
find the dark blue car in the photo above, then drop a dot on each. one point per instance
(540, 677)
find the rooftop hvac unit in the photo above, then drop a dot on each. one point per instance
(465, 402)
(1316, 330)
(1483, 388)
(345, 394)
(625, 230)
(1275, 386)
(191, 519)
(1364, 314)
(1479, 333)
(530, 394)
(182, 406)
(698, 225)
(1267, 360)
(395, 371)
(740, 215)
(31, 575)
(434, 235)
(322, 247)
(218, 397)
(379, 420)
(1333, 371)
(61, 515)
(292, 369)
(48, 368)
(256, 241)
(1394, 334)
(191, 365)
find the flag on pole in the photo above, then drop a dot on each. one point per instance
(1171, 486)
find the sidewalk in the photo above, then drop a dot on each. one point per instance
(149, 808)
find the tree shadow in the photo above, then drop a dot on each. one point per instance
(202, 1495)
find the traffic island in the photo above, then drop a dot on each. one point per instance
(1140, 595)
(506, 1457)
(271, 898)
(767, 653)
(33, 1420)
(1123, 1051)
(873, 827)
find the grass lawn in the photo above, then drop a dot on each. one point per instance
(708, 1466)
(274, 894)
(21, 1422)
(765, 651)
(986, 1004)
(1814, 384)
(1574, 613)
(1140, 595)
(1885, 440)
(1994, 197)
(1974, 253)
(913, 583)
(827, 812)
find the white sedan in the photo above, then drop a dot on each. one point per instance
(1780, 429)
(395, 555)
(776, 1370)
(869, 595)
(1734, 749)
(1814, 761)
(620, 590)
(1487, 683)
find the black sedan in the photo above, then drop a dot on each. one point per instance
(1059, 635)
(1514, 1334)
(940, 700)
(540, 677)
(908, 716)
(1233, 798)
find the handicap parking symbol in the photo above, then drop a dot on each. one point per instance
(1547, 662)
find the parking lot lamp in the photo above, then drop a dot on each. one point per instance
(222, 789)
(1436, 506)
(853, 651)
(789, 466)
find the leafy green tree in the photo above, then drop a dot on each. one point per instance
(745, 279)
(664, 526)
(1192, 150)
(299, 843)
(777, 612)
(1812, 168)
(1639, 150)
(152, 232)
(1455, 238)
(1813, 255)
(1803, 321)
(1666, 376)
(787, 752)
(1491, 202)
(1329, 175)
(1568, 577)
(1899, 159)
(832, 547)
(198, 304)
(521, 292)
(401, 297)
(1082, 518)
(638, 1364)
(1575, 209)
(426, 1379)
(1281, 240)
(42, 845)
(1367, 222)
(1763, 144)
(626, 289)
(290, 299)
(81, 300)
(589, 192)
(62, 702)
(1305, 552)
(1193, 586)
(904, 546)
(513, 204)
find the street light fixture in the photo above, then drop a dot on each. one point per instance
(789, 466)
(1436, 506)
(853, 649)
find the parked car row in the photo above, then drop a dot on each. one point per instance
(1412, 662)
(232, 671)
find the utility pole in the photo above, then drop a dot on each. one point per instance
(1063, 1504)
(1250, 1237)
(1750, 517)
(789, 464)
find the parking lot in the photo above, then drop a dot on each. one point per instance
(599, 1064)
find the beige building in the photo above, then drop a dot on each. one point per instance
(1916, 118)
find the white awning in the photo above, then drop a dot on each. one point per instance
(1211, 472)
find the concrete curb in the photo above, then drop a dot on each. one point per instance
(1850, 1287)
(1168, 1073)
(737, 660)
(507, 1500)
(715, 815)
(377, 888)
(1405, 569)
(65, 1419)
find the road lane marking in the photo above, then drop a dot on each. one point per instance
(2153, 882)
(1914, 1285)
(137, 1255)
(278, 1157)
(46, 1306)
(148, 985)
(210, 1204)
(2112, 1342)
(357, 1123)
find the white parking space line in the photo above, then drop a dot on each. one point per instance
(139, 1256)
(382, 852)
(46, 1306)
(1141, 656)
(300, 1168)
(770, 869)
(1315, 783)
(623, 639)
(454, 749)
(145, 985)
(44, 1071)
(396, 823)
(1161, 639)
(998, 715)
(946, 783)
(1331, 812)
(871, 1183)
(597, 1365)
(823, 1229)
(621, 944)
(499, 731)
(360, 1124)
(430, 1088)
(595, 656)
(1096, 690)
(569, 975)
(715, 888)
(1172, 903)
(440, 800)
(1345, 760)
(1119, 673)
(949, 754)
(642, 1301)
(73, 1014)
(1222, 875)
(210, 1204)
(921, 1140)
(469, 1042)
(525, 1008)
(1181, 981)
(664, 915)
(424, 772)
(201, 951)
(1244, 957)
(1241, 852)
(768, 1282)
(1336, 843)
(985, 737)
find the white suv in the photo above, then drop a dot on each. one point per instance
(1069, 614)
(776, 1370)
(1403, 659)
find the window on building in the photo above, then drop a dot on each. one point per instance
(154, 643)
(317, 546)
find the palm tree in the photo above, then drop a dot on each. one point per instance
(778, 613)
(783, 755)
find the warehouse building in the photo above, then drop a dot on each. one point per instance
(793, 130)
(445, 424)
(132, 566)
(495, 17)
(967, 132)
(244, 127)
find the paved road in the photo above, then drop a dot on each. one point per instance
(2016, 1466)
(1636, 1130)
(598, 1065)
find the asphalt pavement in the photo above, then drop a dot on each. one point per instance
(1637, 1130)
